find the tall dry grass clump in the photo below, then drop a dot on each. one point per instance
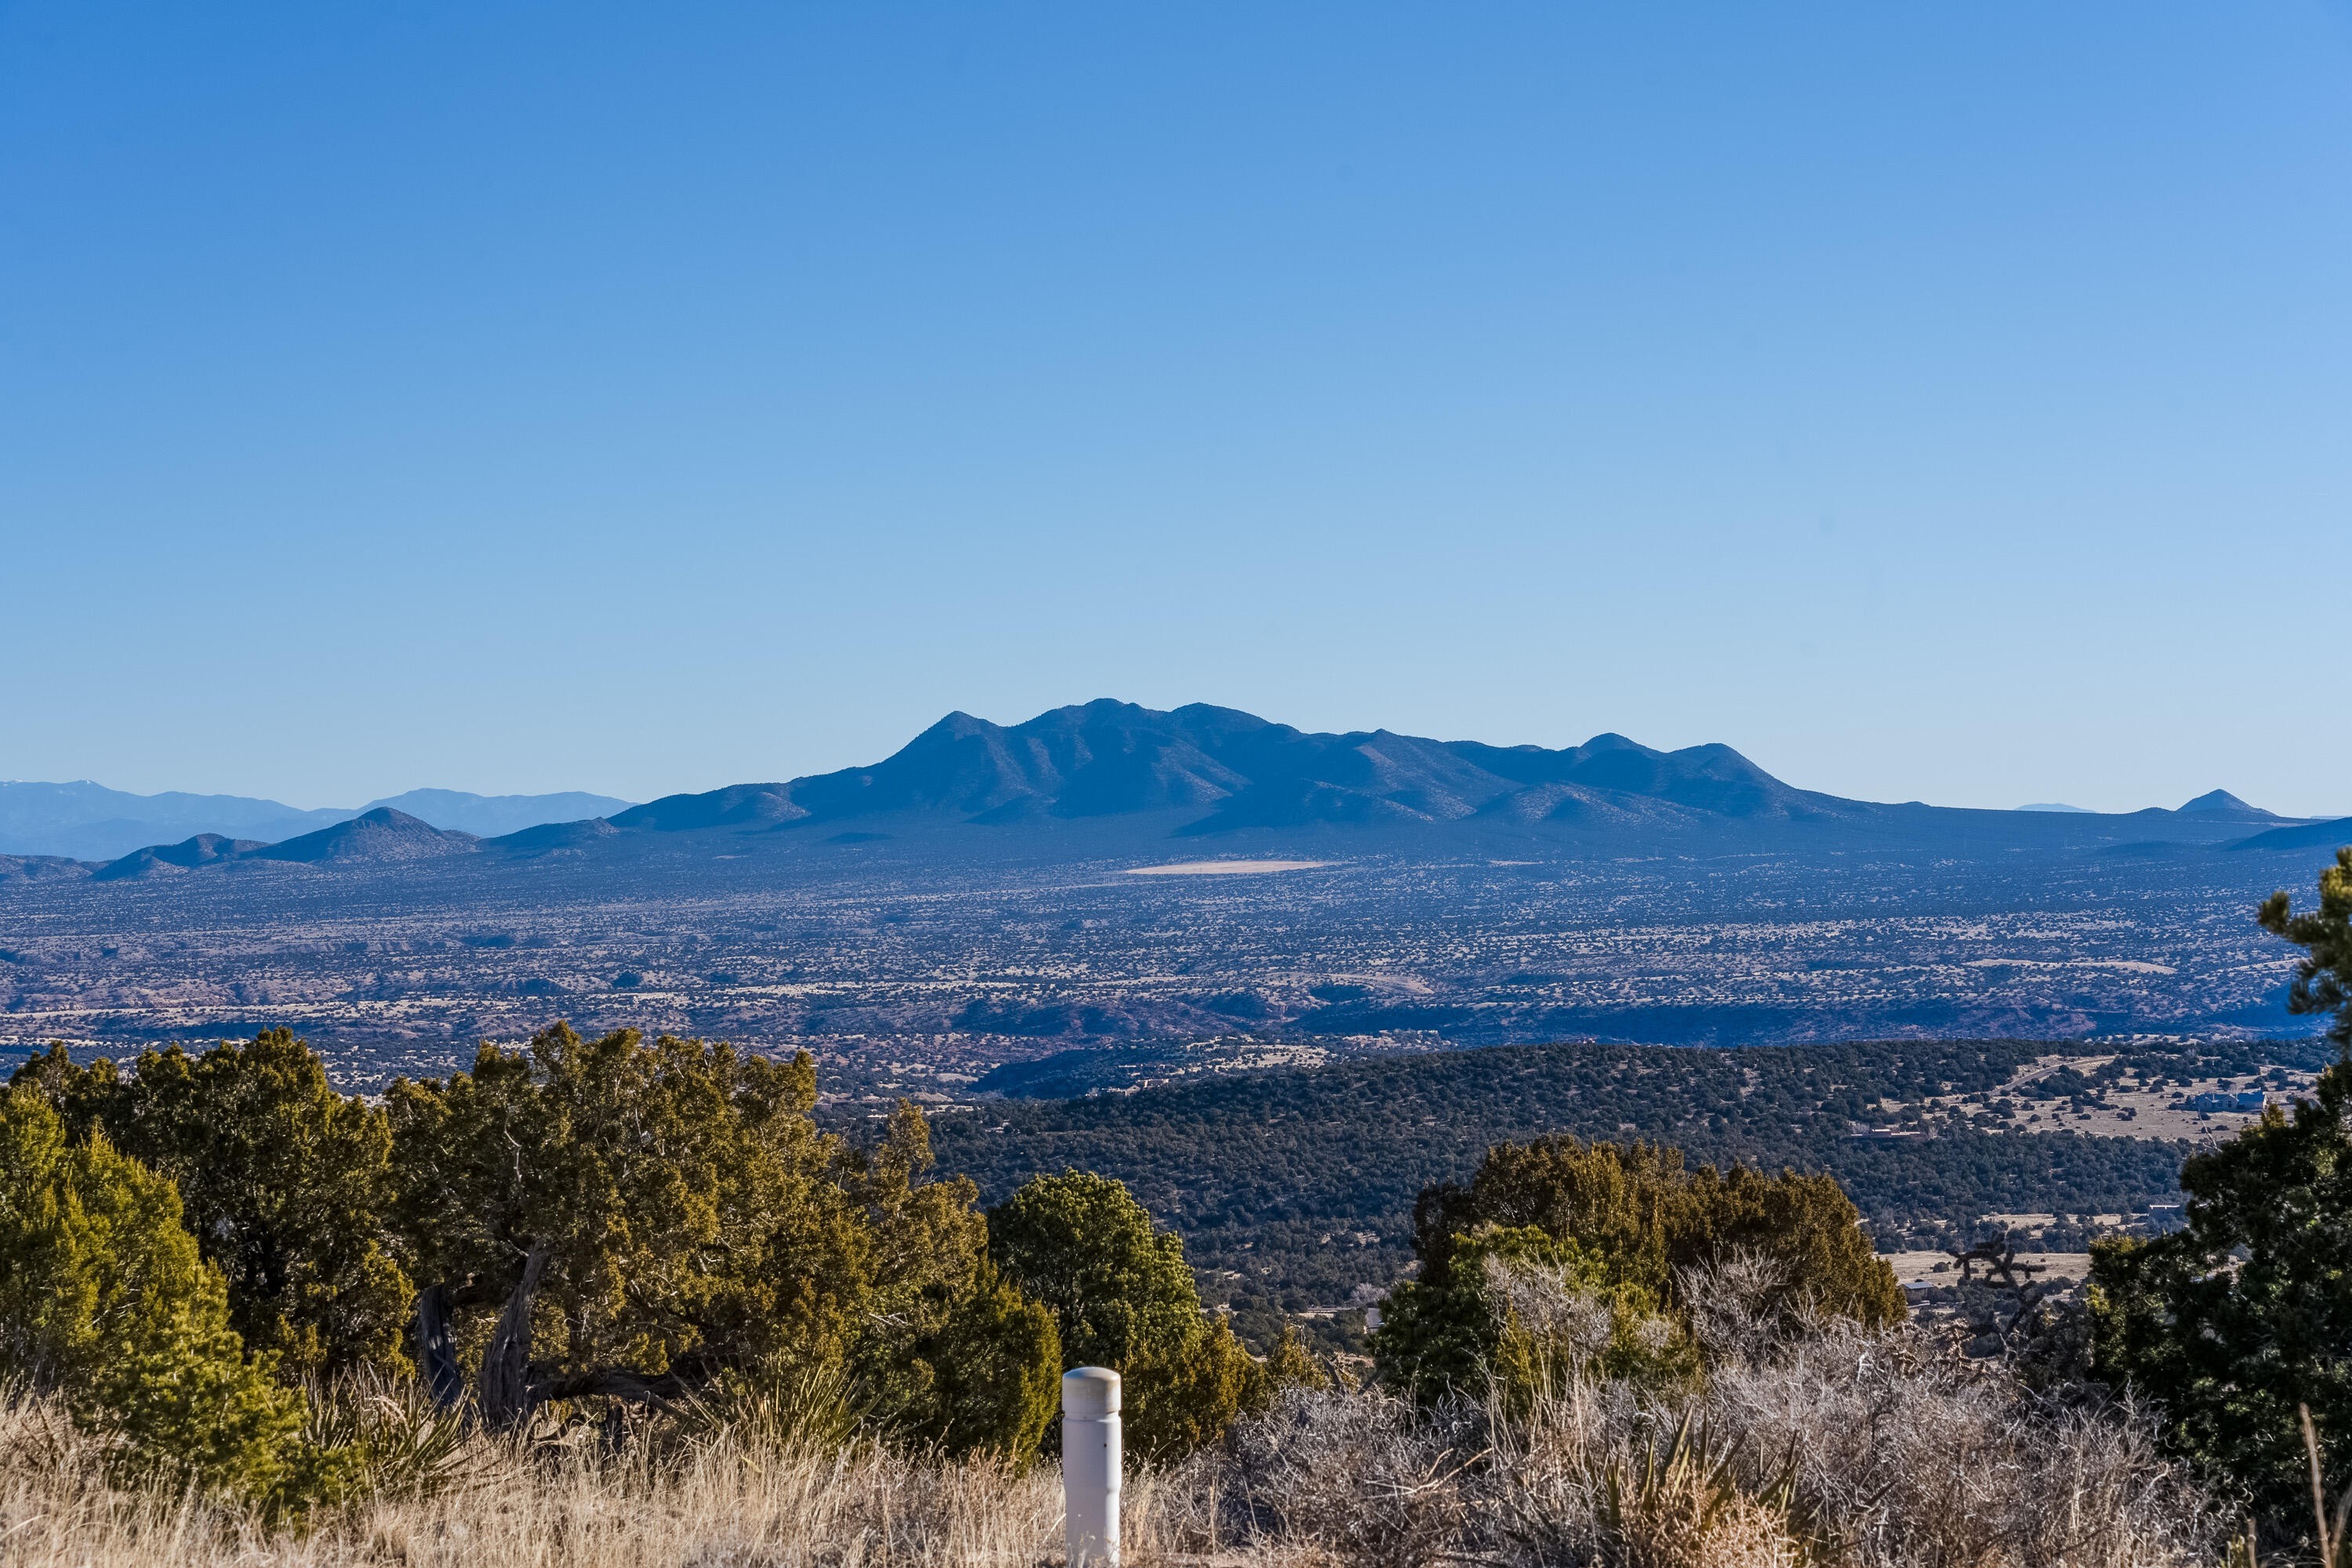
(1804, 1442)
(1800, 1443)
(715, 1500)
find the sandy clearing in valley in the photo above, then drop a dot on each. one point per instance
(2142, 1111)
(1224, 867)
(1938, 1267)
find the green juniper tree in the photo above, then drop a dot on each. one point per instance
(984, 1376)
(283, 1183)
(617, 1220)
(1648, 1215)
(1466, 1332)
(1620, 1222)
(1123, 1297)
(104, 1300)
(1118, 1286)
(1292, 1364)
(2232, 1322)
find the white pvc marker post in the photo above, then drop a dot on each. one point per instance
(1090, 1466)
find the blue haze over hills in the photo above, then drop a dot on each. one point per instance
(1216, 771)
(965, 906)
(85, 821)
(1921, 413)
(1109, 776)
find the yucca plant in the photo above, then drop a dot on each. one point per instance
(1688, 1508)
(408, 1447)
(786, 1408)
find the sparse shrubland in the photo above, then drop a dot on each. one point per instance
(1293, 1188)
(643, 1240)
(1802, 1441)
(1785, 1440)
(2240, 1324)
(608, 1302)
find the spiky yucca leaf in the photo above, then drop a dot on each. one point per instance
(781, 1408)
(407, 1447)
(1689, 1509)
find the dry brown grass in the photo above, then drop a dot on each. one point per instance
(1806, 1444)
(713, 1505)
(1870, 1451)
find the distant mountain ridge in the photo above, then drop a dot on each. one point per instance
(2325, 835)
(87, 821)
(379, 834)
(1200, 772)
(167, 859)
(491, 815)
(1237, 771)
(1107, 758)
(373, 837)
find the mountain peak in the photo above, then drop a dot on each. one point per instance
(383, 834)
(2221, 803)
(171, 859)
(1230, 769)
(492, 815)
(1197, 770)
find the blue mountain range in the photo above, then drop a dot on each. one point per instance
(1110, 777)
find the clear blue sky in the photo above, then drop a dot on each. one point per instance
(1938, 402)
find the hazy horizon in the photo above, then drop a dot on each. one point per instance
(382, 798)
(1931, 406)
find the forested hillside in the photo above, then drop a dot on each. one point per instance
(1293, 1189)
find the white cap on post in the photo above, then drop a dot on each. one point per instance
(1090, 1466)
